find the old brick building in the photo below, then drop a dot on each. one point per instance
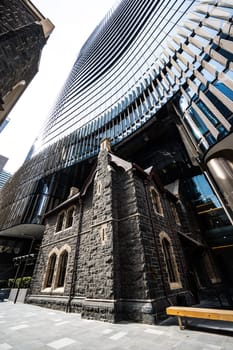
(23, 34)
(112, 250)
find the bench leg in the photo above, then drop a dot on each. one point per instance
(180, 323)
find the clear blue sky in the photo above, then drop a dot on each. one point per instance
(74, 21)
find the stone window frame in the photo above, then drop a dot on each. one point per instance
(46, 288)
(175, 214)
(54, 288)
(103, 233)
(67, 217)
(156, 201)
(176, 284)
(59, 222)
(99, 187)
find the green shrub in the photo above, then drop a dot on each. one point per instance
(10, 282)
(20, 282)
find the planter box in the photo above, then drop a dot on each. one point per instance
(21, 295)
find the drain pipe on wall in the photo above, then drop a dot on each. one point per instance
(75, 263)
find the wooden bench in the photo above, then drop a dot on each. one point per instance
(194, 312)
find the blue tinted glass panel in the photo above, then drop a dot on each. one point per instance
(222, 131)
(207, 112)
(218, 104)
(210, 138)
(224, 89)
(201, 126)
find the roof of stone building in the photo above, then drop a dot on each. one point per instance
(149, 173)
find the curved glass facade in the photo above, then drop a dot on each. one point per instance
(139, 57)
(144, 55)
(117, 83)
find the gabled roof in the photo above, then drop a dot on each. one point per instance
(148, 174)
(76, 196)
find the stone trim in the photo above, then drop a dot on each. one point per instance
(156, 201)
(95, 225)
(58, 253)
(59, 240)
(177, 284)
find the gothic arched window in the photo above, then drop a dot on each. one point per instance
(62, 269)
(156, 201)
(170, 261)
(60, 220)
(50, 270)
(69, 217)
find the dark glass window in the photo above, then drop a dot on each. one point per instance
(224, 89)
(60, 222)
(200, 124)
(69, 217)
(62, 269)
(50, 271)
(221, 107)
(168, 258)
(207, 112)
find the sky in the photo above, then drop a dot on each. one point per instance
(74, 21)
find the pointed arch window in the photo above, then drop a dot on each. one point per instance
(69, 217)
(175, 214)
(62, 269)
(157, 205)
(50, 270)
(60, 220)
(170, 261)
(168, 258)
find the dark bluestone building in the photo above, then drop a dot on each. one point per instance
(23, 34)
(155, 79)
(112, 250)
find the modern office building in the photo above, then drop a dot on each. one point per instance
(3, 161)
(4, 177)
(4, 124)
(23, 34)
(155, 78)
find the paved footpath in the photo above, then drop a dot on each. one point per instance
(28, 327)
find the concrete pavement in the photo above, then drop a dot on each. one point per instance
(28, 327)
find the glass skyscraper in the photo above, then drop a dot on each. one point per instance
(147, 65)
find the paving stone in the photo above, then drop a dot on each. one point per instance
(41, 333)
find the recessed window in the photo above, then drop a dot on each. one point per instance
(50, 270)
(69, 217)
(168, 258)
(170, 261)
(60, 220)
(175, 214)
(103, 233)
(62, 269)
(99, 188)
(156, 201)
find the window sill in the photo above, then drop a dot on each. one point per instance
(58, 290)
(46, 290)
(63, 230)
(49, 290)
(175, 285)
